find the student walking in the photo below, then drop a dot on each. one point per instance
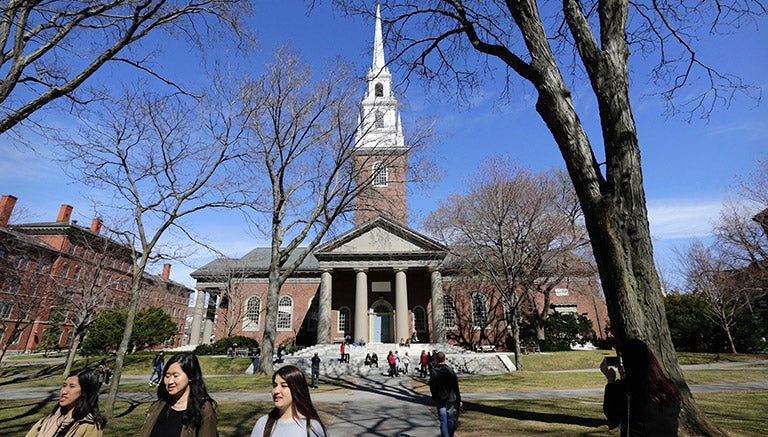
(183, 406)
(158, 363)
(294, 414)
(444, 387)
(77, 412)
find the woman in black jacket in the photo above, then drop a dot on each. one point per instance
(645, 402)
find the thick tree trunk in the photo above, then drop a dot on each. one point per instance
(266, 365)
(614, 206)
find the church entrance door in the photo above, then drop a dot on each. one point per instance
(382, 323)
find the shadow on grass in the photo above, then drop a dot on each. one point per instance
(520, 414)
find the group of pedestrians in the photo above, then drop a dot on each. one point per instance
(183, 406)
(642, 402)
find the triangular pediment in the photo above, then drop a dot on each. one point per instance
(380, 236)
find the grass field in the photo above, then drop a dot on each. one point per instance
(740, 413)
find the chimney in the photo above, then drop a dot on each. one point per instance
(96, 225)
(166, 271)
(6, 208)
(64, 213)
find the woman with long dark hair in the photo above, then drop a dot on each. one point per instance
(294, 414)
(644, 402)
(183, 407)
(77, 412)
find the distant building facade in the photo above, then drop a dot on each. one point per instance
(379, 282)
(42, 263)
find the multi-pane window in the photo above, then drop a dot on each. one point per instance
(479, 311)
(449, 312)
(419, 319)
(253, 313)
(380, 175)
(285, 314)
(344, 320)
(378, 121)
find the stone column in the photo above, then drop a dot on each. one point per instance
(361, 305)
(402, 327)
(210, 317)
(324, 309)
(197, 318)
(438, 322)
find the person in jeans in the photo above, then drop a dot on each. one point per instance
(444, 386)
(315, 370)
(157, 368)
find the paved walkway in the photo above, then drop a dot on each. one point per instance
(379, 405)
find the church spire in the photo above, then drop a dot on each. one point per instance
(379, 65)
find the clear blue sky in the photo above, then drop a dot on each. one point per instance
(688, 168)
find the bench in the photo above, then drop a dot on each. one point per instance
(242, 352)
(485, 348)
(338, 340)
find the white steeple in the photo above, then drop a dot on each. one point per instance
(380, 127)
(379, 65)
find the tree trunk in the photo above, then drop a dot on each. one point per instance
(122, 350)
(730, 339)
(76, 340)
(516, 339)
(266, 365)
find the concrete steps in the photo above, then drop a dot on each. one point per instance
(463, 362)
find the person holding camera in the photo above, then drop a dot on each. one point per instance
(644, 402)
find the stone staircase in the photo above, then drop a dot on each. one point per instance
(463, 362)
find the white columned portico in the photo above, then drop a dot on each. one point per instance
(361, 305)
(210, 317)
(401, 305)
(438, 321)
(324, 308)
(197, 318)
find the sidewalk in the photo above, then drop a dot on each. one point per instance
(384, 406)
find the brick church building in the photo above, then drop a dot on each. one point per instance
(379, 282)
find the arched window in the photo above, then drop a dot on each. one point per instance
(285, 314)
(344, 320)
(312, 315)
(449, 312)
(479, 311)
(379, 90)
(380, 174)
(378, 121)
(252, 313)
(419, 319)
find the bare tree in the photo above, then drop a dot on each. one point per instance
(233, 308)
(160, 159)
(303, 139)
(709, 275)
(87, 292)
(51, 48)
(517, 231)
(458, 41)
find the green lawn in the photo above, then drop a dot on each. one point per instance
(741, 413)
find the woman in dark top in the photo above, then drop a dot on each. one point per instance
(183, 407)
(644, 401)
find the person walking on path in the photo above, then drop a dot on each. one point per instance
(392, 364)
(444, 387)
(315, 370)
(423, 360)
(183, 406)
(157, 368)
(406, 362)
(293, 415)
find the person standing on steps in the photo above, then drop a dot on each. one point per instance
(444, 387)
(315, 370)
